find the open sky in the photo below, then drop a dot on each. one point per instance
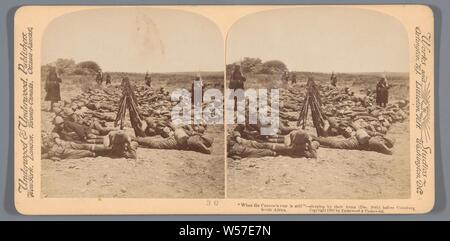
(136, 40)
(322, 39)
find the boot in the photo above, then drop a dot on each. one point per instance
(208, 141)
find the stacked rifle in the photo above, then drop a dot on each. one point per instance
(129, 101)
(312, 100)
(338, 108)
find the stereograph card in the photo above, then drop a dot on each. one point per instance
(281, 109)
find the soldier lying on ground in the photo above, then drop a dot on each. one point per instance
(297, 144)
(93, 124)
(53, 147)
(156, 127)
(72, 131)
(252, 132)
(148, 80)
(358, 141)
(162, 127)
(117, 145)
(236, 150)
(179, 139)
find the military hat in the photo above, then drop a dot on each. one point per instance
(58, 120)
(68, 111)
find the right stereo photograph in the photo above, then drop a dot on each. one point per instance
(319, 105)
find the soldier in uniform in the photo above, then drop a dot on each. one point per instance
(56, 149)
(382, 91)
(72, 131)
(179, 139)
(98, 127)
(119, 144)
(99, 77)
(116, 145)
(333, 79)
(52, 87)
(108, 79)
(293, 78)
(197, 84)
(297, 144)
(285, 76)
(237, 150)
(148, 80)
(377, 143)
(237, 79)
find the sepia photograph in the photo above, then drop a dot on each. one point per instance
(107, 79)
(343, 81)
(224, 109)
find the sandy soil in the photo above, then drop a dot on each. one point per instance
(335, 174)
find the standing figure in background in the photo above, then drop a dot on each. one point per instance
(386, 91)
(99, 77)
(382, 91)
(108, 79)
(197, 84)
(285, 76)
(333, 79)
(237, 79)
(148, 80)
(293, 78)
(119, 145)
(52, 88)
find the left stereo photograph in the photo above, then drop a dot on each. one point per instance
(110, 81)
